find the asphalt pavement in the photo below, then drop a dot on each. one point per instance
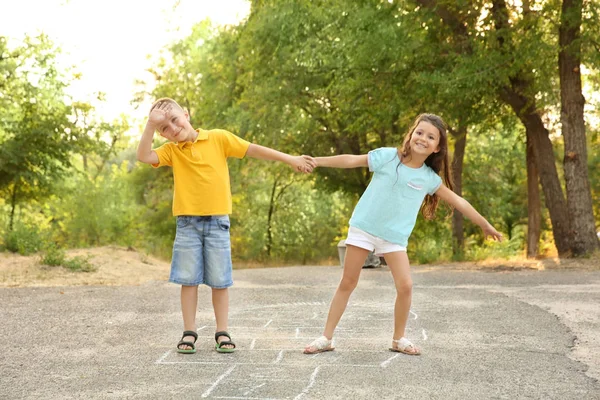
(484, 335)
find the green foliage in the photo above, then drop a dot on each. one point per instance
(33, 144)
(181, 75)
(431, 240)
(305, 223)
(495, 177)
(494, 166)
(318, 78)
(327, 77)
(152, 190)
(54, 256)
(508, 248)
(23, 239)
(36, 136)
(97, 212)
(304, 77)
(79, 264)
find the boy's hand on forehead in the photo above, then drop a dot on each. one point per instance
(160, 112)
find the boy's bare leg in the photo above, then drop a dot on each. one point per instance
(353, 263)
(220, 299)
(400, 267)
(189, 303)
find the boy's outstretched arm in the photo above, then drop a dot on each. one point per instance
(298, 163)
(343, 161)
(468, 211)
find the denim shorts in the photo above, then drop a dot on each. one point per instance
(202, 252)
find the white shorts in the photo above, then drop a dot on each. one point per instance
(364, 240)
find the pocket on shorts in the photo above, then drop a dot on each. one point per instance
(223, 223)
(183, 221)
(413, 191)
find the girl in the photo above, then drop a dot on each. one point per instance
(386, 214)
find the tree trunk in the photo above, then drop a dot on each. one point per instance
(275, 197)
(579, 197)
(519, 95)
(13, 206)
(458, 239)
(543, 152)
(534, 205)
(270, 217)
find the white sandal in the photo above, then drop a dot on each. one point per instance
(319, 345)
(405, 346)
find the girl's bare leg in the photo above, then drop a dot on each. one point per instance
(400, 267)
(353, 263)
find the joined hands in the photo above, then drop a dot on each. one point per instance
(304, 164)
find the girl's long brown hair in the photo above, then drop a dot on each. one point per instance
(439, 162)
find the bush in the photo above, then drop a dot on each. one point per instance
(80, 264)
(96, 212)
(23, 240)
(56, 257)
(490, 249)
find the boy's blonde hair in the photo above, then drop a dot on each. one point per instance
(166, 100)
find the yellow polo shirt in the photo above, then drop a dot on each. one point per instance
(200, 171)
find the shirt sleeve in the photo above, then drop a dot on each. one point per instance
(233, 145)
(164, 153)
(436, 182)
(379, 157)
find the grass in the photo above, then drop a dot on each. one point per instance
(56, 257)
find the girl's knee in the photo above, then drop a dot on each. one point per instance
(404, 287)
(348, 284)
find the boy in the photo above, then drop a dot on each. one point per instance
(202, 204)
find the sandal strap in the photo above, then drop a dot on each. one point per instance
(221, 333)
(182, 343)
(190, 333)
(404, 343)
(321, 343)
(225, 343)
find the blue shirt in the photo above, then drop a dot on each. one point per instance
(389, 207)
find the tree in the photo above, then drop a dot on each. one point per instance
(579, 197)
(34, 140)
(313, 75)
(520, 45)
(206, 73)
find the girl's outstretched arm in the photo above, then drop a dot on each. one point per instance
(468, 211)
(343, 161)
